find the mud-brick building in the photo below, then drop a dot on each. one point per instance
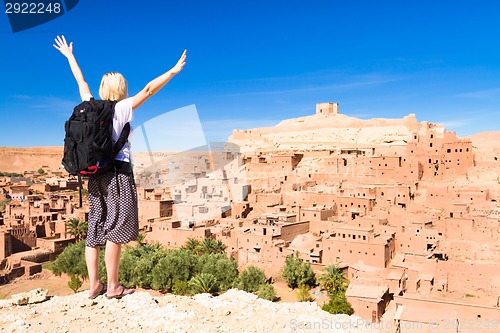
(439, 153)
(266, 245)
(350, 244)
(369, 301)
(173, 233)
(353, 206)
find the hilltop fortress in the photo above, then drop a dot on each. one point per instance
(409, 210)
(326, 128)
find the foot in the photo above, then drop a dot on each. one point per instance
(101, 290)
(119, 292)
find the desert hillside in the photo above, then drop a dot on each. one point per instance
(324, 131)
(13, 159)
(487, 144)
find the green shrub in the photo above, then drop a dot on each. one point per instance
(224, 269)
(3, 204)
(137, 263)
(266, 291)
(180, 288)
(71, 261)
(296, 272)
(75, 283)
(174, 265)
(143, 270)
(304, 294)
(338, 304)
(10, 174)
(250, 279)
(203, 283)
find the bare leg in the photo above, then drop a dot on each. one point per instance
(112, 258)
(92, 260)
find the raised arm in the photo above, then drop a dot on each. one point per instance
(155, 85)
(67, 51)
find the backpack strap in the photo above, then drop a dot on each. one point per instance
(80, 188)
(122, 139)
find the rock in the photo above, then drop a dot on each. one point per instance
(30, 297)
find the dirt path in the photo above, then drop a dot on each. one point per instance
(57, 285)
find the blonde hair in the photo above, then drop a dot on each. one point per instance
(113, 87)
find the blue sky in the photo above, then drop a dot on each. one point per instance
(255, 63)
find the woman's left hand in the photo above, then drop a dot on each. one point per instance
(180, 64)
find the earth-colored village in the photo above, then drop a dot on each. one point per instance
(408, 210)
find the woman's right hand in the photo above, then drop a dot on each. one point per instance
(63, 47)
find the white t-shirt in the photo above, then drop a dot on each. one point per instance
(123, 115)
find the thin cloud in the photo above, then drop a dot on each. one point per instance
(480, 94)
(317, 75)
(357, 81)
(332, 87)
(458, 123)
(53, 104)
(22, 97)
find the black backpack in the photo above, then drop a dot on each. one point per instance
(88, 145)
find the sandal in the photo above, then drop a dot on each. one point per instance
(99, 293)
(120, 295)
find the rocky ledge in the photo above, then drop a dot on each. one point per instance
(233, 311)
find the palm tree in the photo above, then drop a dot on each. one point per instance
(141, 238)
(77, 228)
(192, 244)
(203, 283)
(219, 247)
(210, 245)
(333, 280)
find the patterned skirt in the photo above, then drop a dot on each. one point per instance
(113, 213)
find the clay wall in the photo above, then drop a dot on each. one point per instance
(22, 238)
(5, 245)
(55, 244)
(345, 205)
(349, 250)
(316, 214)
(470, 277)
(469, 315)
(284, 163)
(309, 199)
(289, 231)
(475, 229)
(171, 235)
(416, 238)
(368, 309)
(155, 208)
(259, 250)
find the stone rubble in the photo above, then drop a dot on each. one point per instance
(233, 311)
(31, 297)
